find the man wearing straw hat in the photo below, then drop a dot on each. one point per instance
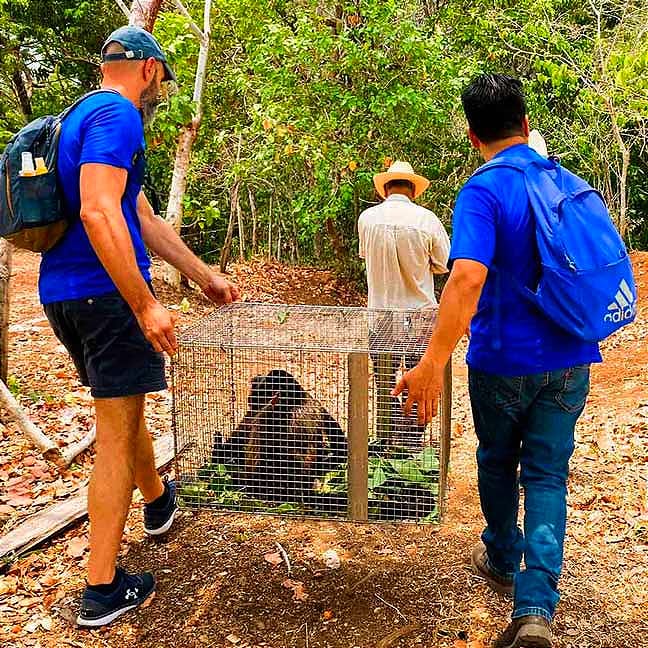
(404, 246)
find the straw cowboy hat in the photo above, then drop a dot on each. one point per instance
(400, 171)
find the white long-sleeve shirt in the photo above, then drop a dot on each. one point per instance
(404, 246)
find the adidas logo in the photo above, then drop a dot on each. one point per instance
(624, 306)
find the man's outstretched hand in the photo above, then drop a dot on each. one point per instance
(157, 324)
(220, 290)
(423, 384)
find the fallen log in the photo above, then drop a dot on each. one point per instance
(44, 524)
(71, 452)
(50, 450)
(62, 457)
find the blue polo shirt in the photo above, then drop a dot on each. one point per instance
(493, 224)
(105, 128)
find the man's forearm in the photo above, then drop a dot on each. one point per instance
(162, 239)
(110, 238)
(458, 304)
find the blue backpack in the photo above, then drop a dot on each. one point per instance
(32, 215)
(586, 283)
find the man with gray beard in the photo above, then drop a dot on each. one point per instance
(95, 286)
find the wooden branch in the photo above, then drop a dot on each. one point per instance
(71, 452)
(227, 245)
(358, 436)
(253, 211)
(203, 54)
(192, 25)
(54, 518)
(124, 8)
(241, 230)
(50, 450)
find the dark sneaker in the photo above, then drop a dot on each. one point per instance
(525, 632)
(158, 519)
(481, 565)
(98, 609)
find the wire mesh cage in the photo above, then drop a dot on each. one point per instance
(288, 409)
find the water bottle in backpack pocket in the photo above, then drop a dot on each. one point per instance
(32, 214)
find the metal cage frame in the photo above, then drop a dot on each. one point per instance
(359, 335)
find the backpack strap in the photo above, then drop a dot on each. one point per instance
(522, 165)
(80, 100)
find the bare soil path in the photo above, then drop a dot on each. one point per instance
(398, 586)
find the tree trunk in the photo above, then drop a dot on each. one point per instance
(622, 218)
(5, 274)
(241, 230)
(22, 92)
(178, 186)
(253, 211)
(336, 240)
(144, 13)
(296, 237)
(227, 246)
(270, 229)
(185, 144)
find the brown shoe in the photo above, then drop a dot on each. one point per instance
(525, 632)
(479, 561)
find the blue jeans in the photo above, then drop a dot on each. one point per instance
(527, 421)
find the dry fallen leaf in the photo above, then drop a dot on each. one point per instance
(77, 546)
(8, 585)
(49, 580)
(273, 558)
(46, 623)
(32, 626)
(299, 593)
(479, 614)
(148, 601)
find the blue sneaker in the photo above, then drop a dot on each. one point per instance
(158, 519)
(99, 609)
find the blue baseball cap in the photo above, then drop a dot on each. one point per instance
(139, 45)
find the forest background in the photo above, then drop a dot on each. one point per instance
(304, 101)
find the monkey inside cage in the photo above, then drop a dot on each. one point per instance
(288, 409)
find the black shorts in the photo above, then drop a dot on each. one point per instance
(107, 346)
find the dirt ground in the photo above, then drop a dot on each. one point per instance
(398, 585)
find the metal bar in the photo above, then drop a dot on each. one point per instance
(194, 28)
(358, 464)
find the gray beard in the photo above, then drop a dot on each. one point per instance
(149, 100)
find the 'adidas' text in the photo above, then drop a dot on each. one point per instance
(624, 306)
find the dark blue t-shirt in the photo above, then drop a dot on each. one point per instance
(105, 128)
(493, 224)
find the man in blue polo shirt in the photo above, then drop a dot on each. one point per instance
(95, 286)
(528, 378)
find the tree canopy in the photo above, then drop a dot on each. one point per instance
(304, 101)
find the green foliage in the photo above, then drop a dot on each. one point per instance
(304, 102)
(52, 50)
(395, 478)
